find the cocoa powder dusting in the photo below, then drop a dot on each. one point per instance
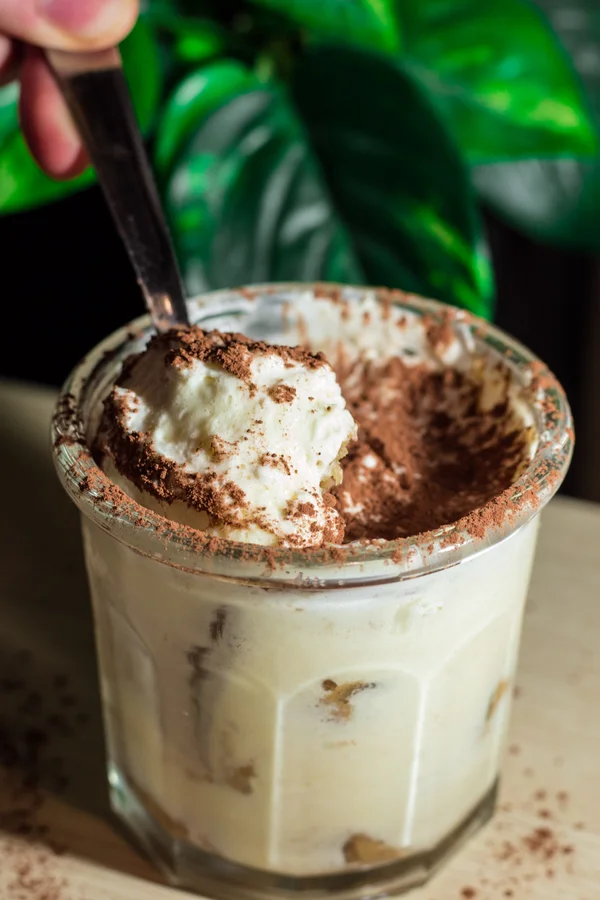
(439, 330)
(426, 454)
(282, 393)
(276, 461)
(231, 351)
(220, 449)
(224, 502)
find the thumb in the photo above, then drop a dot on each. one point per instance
(68, 24)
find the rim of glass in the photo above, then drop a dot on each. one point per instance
(406, 557)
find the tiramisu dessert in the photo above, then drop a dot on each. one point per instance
(322, 688)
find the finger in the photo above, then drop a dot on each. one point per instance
(68, 24)
(9, 59)
(46, 122)
(11, 53)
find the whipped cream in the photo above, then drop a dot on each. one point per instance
(237, 438)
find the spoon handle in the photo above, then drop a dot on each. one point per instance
(98, 97)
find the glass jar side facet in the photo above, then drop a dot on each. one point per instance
(304, 733)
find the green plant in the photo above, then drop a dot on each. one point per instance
(557, 200)
(345, 139)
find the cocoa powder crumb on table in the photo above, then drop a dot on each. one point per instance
(29, 768)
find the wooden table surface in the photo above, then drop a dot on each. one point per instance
(543, 843)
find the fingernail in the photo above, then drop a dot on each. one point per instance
(88, 18)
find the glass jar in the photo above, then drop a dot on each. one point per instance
(281, 721)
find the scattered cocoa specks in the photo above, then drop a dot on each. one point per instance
(540, 844)
(541, 841)
(550, 805)
(537, 855)
(32, 874)
(32, 727)
(468, 893)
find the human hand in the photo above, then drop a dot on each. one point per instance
(78, 25)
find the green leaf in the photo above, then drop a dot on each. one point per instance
(247, 203)
(348, 194)
(9, 117)
(501, 75)
(557, 201)
(397, 178)
(192, 39)
(141, 63)
(192, 101)
(367, 23)
(22, 184)
(199, 42)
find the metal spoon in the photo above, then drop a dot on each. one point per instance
(95, 89)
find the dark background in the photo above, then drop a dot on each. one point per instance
(67, 284)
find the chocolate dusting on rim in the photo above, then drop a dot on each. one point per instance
(496, 512)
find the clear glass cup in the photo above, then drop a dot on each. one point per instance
(278, 722)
